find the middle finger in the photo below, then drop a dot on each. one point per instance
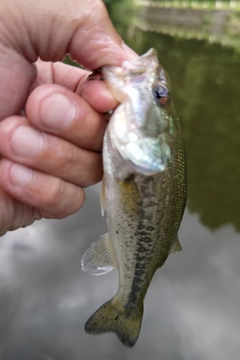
(23, 144)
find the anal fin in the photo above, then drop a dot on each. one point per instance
(99, 259)
(176, 247)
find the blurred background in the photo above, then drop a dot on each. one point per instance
(192, 306)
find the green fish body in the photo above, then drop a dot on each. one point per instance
(143, 192)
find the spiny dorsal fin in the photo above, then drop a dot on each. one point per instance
(176, 247)
(99, 258)
(103, 197)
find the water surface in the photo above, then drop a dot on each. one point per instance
(192, 306)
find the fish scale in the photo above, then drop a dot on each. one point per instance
(143, 193)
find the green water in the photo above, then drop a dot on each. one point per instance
(206, 88)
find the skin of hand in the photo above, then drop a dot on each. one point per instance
(51, 118)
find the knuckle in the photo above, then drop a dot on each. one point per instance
(52, 198)
(80, 166)
(69, 157)
(77, 200)
(95, 174)
(91, 173)
(64, 199)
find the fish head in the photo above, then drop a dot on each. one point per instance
(142, 126)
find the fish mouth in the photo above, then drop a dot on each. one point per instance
(142, 63)
(134, 71)
(148, 155)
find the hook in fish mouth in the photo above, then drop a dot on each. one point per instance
(96, 75)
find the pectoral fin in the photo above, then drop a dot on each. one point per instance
(176, 247)
(99, 259)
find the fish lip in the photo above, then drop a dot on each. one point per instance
(129, 72)
(150, 55)
(135, 67)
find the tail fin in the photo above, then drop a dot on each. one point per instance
(112, 317)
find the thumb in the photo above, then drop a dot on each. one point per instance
(96, 43)
(50, 29)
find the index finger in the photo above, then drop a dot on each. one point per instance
(75, 79)
(57, 110)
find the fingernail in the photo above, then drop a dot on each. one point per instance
(130, 52)
(57, 111)
(20, 175)
(27, 141)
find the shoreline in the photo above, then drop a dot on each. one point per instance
(213, 25)
(188, 4)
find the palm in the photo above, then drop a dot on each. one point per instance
(14, 214)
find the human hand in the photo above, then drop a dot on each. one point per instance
(54, 150)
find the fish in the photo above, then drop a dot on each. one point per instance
(143, 192)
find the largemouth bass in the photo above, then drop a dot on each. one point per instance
(143, 193)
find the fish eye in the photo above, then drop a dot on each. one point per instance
(161, 95)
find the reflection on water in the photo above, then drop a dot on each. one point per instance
(192, 306)
(191, 309)
(199, 22)
(205, 82)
